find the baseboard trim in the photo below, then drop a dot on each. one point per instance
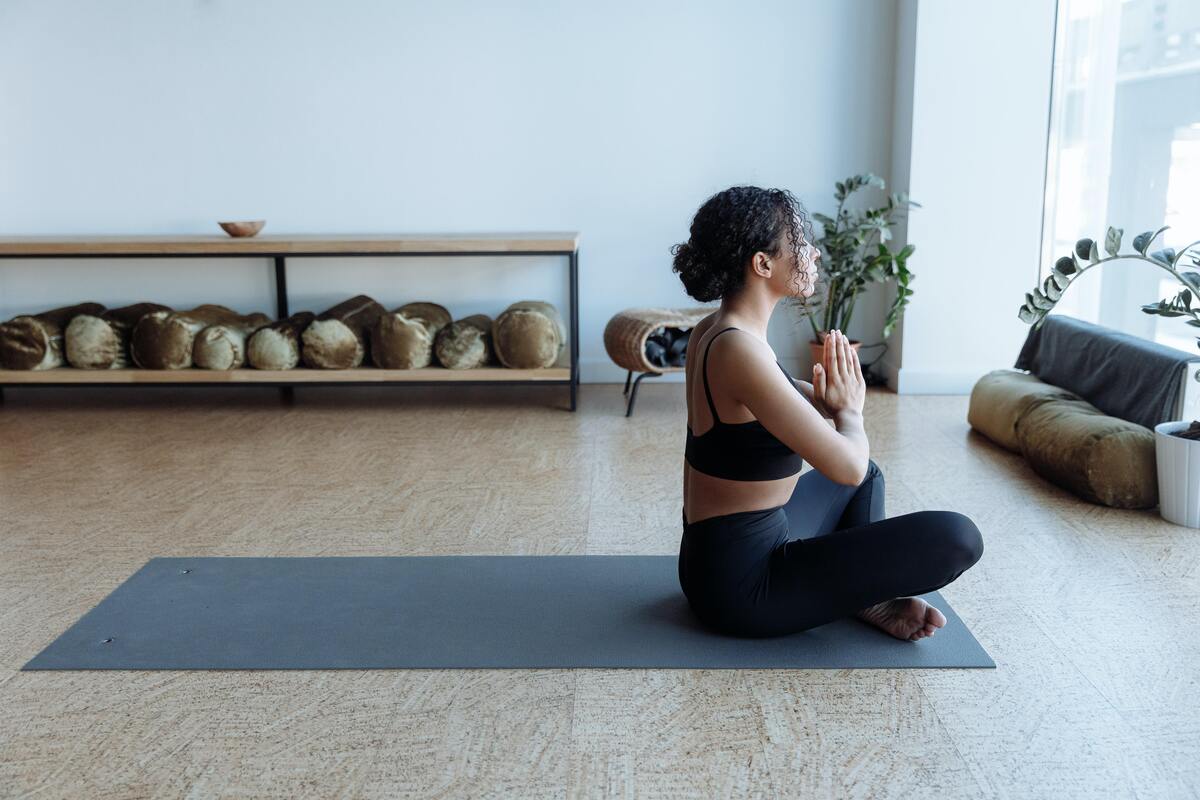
(912, 381)
(900, 380)
(603, 370)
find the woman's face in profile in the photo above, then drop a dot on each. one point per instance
(804, 266)
(809, 254)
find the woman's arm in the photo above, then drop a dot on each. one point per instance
(806, 389)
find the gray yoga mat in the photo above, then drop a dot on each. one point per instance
(451, 611)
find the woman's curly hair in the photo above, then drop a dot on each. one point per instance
(729, 229)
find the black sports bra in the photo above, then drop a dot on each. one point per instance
(740, 451)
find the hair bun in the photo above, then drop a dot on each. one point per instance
(727, 230)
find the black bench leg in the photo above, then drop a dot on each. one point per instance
(633, 394)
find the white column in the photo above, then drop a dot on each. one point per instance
(972, 106)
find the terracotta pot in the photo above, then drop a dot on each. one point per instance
(817, 349)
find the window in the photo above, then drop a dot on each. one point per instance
(1124, 151)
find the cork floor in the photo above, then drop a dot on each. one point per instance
(1089, 612)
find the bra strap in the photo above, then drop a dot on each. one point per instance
(707, 393)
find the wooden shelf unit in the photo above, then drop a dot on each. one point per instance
(64, 376)
(279, 248)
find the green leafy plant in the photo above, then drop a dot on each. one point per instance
(1067, 269)
(854, 254)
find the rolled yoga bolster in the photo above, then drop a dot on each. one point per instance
(529, 334)
(223, 346)
(102, 341)
(403, 339)
(1001, 397)
(277, 346)
(35, 341)
(337, 338)
(164, 340)
(1102, 459)
(465, 343)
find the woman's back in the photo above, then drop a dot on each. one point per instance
(742, 451)
(739, 438)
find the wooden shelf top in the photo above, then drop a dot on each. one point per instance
(135, 375)
(288, 244)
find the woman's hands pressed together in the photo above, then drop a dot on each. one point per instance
(838, 380)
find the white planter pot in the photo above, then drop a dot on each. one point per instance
(1178, 474)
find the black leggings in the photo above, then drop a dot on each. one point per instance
(743, 575)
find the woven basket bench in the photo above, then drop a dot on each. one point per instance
(625, 338)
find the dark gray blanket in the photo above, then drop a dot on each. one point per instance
(1123, 375)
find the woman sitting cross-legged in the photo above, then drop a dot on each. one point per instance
(766, 551)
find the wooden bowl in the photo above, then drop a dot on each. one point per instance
(244, 228)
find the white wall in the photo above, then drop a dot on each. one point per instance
(978, 101)
(615, 119)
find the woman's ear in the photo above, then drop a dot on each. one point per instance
(762, 264)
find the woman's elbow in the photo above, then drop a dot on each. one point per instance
(854, 474)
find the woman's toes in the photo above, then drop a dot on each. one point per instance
(923, 632)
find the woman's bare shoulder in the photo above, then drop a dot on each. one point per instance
(698, 330)
(704, 324)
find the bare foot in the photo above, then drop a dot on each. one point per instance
(909, 618)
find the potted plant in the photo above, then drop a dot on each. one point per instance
(1176, 442)
(854, 254)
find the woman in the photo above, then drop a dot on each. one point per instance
(764, 551)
